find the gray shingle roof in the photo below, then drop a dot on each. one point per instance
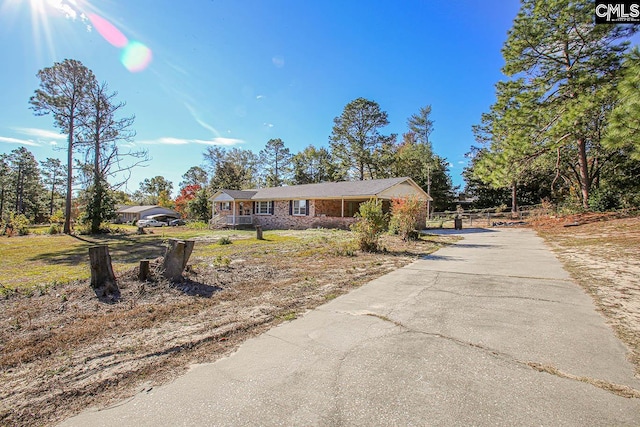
(240, 194)
(136, 209)
(327, 190)
(367, 188)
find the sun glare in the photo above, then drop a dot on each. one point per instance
(135, 56)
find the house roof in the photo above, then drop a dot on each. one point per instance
(240, 194)
(140, 209)
(382, 188)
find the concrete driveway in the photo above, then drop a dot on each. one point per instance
(490, 331)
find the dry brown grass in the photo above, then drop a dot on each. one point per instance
(602, 253)
(62, 350)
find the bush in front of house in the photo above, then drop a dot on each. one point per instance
(405, 213)
(372, 222)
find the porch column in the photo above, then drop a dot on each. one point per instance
(342, 214)
(234, 212)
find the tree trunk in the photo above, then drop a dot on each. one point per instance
(514, 198)
(176, 258)
(143, 274)
(67, 207)
(103, 281)
(584, 172)
(96, 201)
(96, 213)
(53, 189)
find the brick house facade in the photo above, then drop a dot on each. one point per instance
(326, 205)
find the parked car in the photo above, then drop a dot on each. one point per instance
(151, 223)
(176, 222)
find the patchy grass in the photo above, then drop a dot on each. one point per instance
(38, 260)
(62, 350)
(602, 253)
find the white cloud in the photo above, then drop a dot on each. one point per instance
(201, 122)
(260, 97)
(41, 133)
(184, 141)
(19, 141)
(269, 125)
(166, 141)
(222, 141)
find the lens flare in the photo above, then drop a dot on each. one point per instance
(108, 31)
(136, 57)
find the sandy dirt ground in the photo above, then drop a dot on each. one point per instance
(602, 253)
(63, 350)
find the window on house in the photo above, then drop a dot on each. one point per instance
(264, 208)
(225, 206)
(299, 207)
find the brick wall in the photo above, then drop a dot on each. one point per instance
(283, 221)
(322, 213)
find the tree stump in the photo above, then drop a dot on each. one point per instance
(259, 232)
(176, 258)
(143, 274)
(103, 281)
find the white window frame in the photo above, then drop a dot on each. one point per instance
(225, 206)
(300, 207)
(262, 207)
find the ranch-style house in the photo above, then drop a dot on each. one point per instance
(327, 205)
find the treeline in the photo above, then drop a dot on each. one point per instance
(565, 127)
(358, 150)
(36, 190)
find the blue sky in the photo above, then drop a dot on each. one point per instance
(239, 73)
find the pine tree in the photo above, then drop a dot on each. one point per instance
(567, 59)
(54, 174)
(275, 159)
(63, 90)
(356, 142)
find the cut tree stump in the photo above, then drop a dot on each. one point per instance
(176, 258)
(103, 281)
(259, 232)
(143, 273)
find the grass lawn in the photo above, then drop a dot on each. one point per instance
(40, 260)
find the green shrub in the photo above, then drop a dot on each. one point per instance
(224, 241)
(220, 261)
(57, 217)
(372, 223)
(603, 199)
(16, 224)
(53, 229)
(197, 225)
